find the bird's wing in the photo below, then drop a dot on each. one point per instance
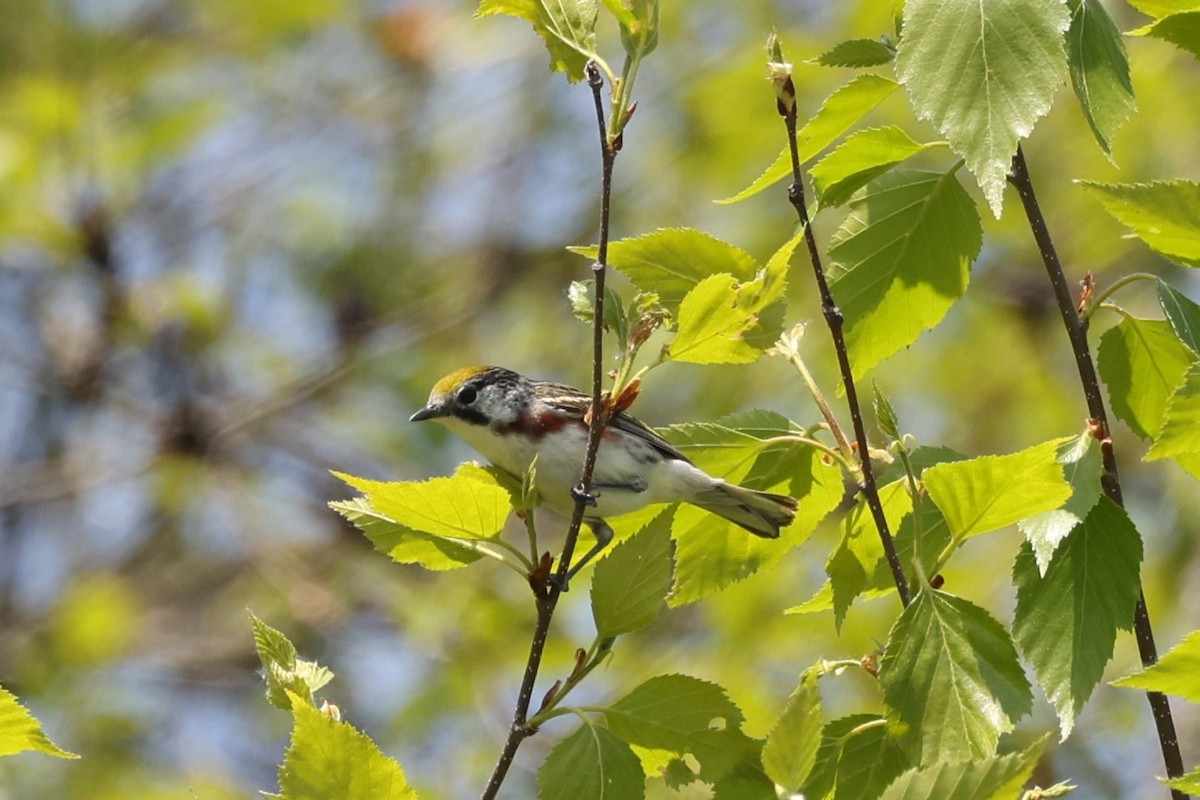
(635, 427)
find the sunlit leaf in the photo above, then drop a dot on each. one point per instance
(20, 731)
(791, 747)
(986, 778)
(568, 28)
(846, 106)
(403, 544)
(990, 492)
(713, 320)
(1142, 362)
(1066, 621)
(1163, 214)
(591, 764)
(1177, 672)
(287, 675)
(1179, 437)
(1181, 30)
(1189, 782)
(1082, 467)
(900, 260)
(1182, 313)
(983, 73)
(857, 53)
(630, 584)
(1099, 70)
(951, 679)
(864, 156)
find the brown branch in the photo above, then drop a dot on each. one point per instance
(1110, 480)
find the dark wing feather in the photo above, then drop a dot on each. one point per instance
(575, 403)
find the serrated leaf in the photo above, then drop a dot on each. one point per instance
(853, 564)
(1066, 622)
(287, 675)
(857, 53)
(684, 715)
(791, 747)
(1141, 362)
(591, 764)
(1179, 436)
(1181, 30)
(20, 731)
(864, 156)
(329, 760)
(710, 553)
(885, 413)
(1163, 8)
(844, 107)
(472, 504)
(951, 679)
(983, 73)
(1163, 214)
(630, 584)
(1182, 313)
(1189, 782)
(402, 544)
(568, 28)
(673, 261)
(1099, 70)
(713, 318)
(1082, 467)
(1177, 672)
(900, 260)
(856, 761)
(990, 778)
(983, 494)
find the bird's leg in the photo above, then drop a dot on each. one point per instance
(604, 535)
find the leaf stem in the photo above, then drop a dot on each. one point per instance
(1076, 327)
(834, 320)
(793, 355)
(547, 600)
(1099, 300)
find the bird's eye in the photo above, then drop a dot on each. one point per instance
(467, 395)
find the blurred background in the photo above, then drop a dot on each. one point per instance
(240, 241)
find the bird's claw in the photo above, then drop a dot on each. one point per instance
(580, 494)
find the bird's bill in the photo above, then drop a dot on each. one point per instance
(428, 412)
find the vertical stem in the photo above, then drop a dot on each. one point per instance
(833, 318)
(1110, 480)
(546, 601)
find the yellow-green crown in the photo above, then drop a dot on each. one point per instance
(451, 382)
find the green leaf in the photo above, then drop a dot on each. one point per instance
(989, 778)
(1163, 8)
(1181, 30)
(713, 320)
(951, 679)
(673, 261)
(639, 25)
(1142, 362)
(853, 564)
(1179, 437)
(684, 715)
(983, 73)
(287, 675)
(1186, 783)
(20, 731)
(1082, 467)
(1163, 214)
(591, 764)
(710, 553)
(1066, 621)
(1099, 70)
(630, 584)
(900, 260)
(472, 504)
(864, 156)
(1182, 313)
(1177, 672)
(329, 760)
(847, 105)
(857, 53)
(856, 761)
(404, 545)
(987, 493)
(568, 27)
(791, 747)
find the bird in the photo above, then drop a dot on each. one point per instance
(510, 420)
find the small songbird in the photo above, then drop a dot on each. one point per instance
(511, 419)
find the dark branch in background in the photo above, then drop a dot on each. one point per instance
(833, 318)
(547, 597)
(1110, 480)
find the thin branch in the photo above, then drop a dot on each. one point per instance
(547, 600)
(1110, 480)
(834, 319)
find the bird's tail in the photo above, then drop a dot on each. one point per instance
(761, 513)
